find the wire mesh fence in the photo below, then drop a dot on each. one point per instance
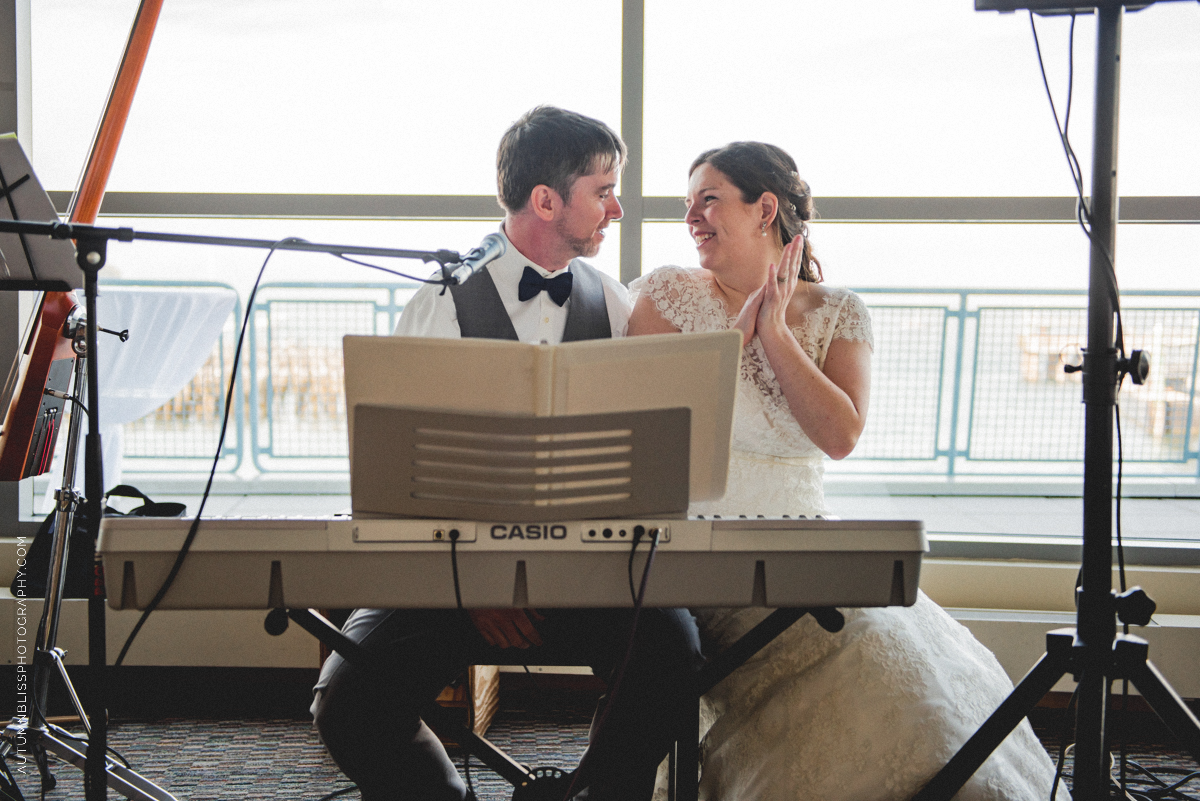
(1025, 407)
(906, 383)
(297, 397)
(963, 381)
(1159, 418)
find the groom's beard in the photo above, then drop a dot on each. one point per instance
(580, 246)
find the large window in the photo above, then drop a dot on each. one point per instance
(924, 129)
(302, 96)
(911, 99)
(393, 110)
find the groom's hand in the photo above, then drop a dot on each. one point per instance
(506, 628)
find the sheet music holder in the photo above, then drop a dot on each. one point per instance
(26, 261)
(477, 429)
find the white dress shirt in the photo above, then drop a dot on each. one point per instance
(539, 319)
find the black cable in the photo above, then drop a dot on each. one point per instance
(72, 398)
(438, 281)
(1070, 87)
(619, 675)
(454, 535)
(1068, 719)
(1083, 212)
(470, 728)
(37, 708)
(195, 527)
(1121, 719)
(191, 535)
(1120, 476)
(1121, 716)
(63, 732)
(1161, 789)
(638, 532)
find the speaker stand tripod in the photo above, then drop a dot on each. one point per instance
(1092, 652)
(33, 734)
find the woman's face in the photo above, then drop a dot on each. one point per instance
(727, 231)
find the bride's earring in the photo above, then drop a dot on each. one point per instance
(764, 229)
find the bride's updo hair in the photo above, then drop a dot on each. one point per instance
(755, 168)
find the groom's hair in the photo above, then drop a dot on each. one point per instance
(552, 146)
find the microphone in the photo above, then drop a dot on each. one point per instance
(491, 248)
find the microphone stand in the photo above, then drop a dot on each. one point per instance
(91, 248)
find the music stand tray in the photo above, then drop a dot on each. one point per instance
(23, 198)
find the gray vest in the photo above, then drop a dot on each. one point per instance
(481, 312)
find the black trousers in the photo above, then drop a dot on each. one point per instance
(372, 726)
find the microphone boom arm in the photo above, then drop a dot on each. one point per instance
(92, 233)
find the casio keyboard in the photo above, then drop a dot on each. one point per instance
(338, 562)
(293, 566)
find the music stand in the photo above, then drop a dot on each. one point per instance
(30, 262)
(603, 378)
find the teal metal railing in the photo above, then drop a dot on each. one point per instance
(965, 383)
(297, 406)
(971, 382)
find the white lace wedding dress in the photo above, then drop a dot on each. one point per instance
(869, 713)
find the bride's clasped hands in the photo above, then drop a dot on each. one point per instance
(766, 308)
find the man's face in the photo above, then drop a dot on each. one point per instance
(592, 207)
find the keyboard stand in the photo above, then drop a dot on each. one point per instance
(528, 783)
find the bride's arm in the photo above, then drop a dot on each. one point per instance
(646, 319)
(829, 405)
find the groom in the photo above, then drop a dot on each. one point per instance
(557, 172)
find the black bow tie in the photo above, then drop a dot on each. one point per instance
(558, 287)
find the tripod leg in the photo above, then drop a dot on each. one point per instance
(57, 654)
(43, 765)
(1024, 697)
(750, 643)
(1131, 657)
(128, 783)
(8, 783)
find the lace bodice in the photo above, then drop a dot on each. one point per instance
(763, 422)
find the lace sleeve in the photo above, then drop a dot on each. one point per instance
(682, 298)
(854, 321)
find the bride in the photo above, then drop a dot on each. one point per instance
(872, 712)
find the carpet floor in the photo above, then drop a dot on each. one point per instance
(203, 760)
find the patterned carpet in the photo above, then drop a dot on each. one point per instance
(198, 760)
(1153, 758)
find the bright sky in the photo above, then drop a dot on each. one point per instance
(872, 98)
